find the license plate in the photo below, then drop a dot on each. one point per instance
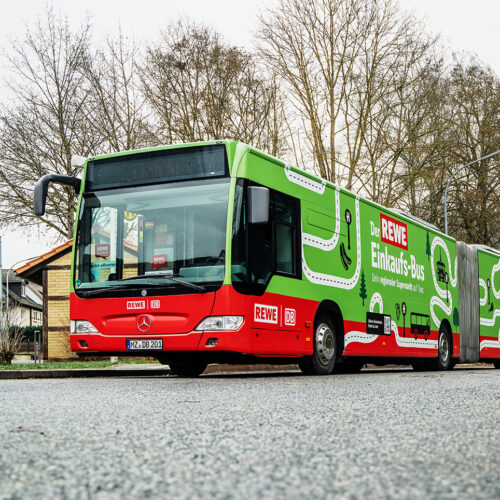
(145, 345)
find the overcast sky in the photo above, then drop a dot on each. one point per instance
(466, 25)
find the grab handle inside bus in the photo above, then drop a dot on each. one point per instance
(42, 187)
(258, 205)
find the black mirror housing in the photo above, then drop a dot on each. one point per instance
(42, 187)
(258, 205)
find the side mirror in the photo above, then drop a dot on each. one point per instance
(258, 205)
(42, 187)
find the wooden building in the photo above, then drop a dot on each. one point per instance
(52, 271)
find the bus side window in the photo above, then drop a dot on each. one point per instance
(285, 217)
(261, 250)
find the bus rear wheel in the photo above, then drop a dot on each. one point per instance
(322, 360)
(443, 361)
(445, 351)
(188, 369)
(496, 364)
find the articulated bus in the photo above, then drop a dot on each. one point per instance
(217, 252)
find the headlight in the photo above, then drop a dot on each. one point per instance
(215, 323)
(82, 326)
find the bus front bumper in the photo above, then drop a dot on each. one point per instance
(97, 343)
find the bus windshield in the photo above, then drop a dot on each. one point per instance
(168, 236)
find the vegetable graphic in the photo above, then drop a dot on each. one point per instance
(346, 261)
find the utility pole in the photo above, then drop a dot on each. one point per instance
(449, 182)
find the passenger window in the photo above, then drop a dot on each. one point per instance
(284, 215)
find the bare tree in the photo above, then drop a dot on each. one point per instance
(340, 60)
(473, 131)
(201, 88)
(412, 133)
(47, 123)
(116, 103)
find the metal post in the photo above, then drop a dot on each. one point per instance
(449, 182)
(37, 345)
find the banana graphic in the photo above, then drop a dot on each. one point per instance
(346, 261)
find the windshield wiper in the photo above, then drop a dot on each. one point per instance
(168, 276)
(99, 291)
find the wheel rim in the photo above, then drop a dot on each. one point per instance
(325, 344)
(444, 348)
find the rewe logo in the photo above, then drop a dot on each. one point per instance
(265, 314)
(393, 232)
(136, 304)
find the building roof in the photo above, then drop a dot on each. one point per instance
(13, 277)
(32, 270)
(15, 291)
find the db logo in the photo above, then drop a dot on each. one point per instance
(290, 317)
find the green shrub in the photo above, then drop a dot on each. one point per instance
(27, 332)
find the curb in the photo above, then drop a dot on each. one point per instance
(113, 371)
(82, 373)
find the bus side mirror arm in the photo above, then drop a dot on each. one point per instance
(258, 205)
(42, 187)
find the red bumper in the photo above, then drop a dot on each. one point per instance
(245, 341)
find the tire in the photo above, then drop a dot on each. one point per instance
(444, 360)
(420, 365)
(496, 364)
(188, 369)
(349, 366)
(322, 361)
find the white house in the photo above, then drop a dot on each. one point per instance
(25, 301)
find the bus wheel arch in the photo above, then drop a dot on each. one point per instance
(332, 310)
(328, 341)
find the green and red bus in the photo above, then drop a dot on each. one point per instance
(217, 252)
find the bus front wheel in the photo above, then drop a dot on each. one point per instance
(322, 361)
(187, 368)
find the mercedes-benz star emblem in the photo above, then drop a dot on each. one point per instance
(143, 322)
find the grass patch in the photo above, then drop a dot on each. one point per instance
(72, 365)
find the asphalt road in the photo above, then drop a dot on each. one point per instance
(394, 434)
